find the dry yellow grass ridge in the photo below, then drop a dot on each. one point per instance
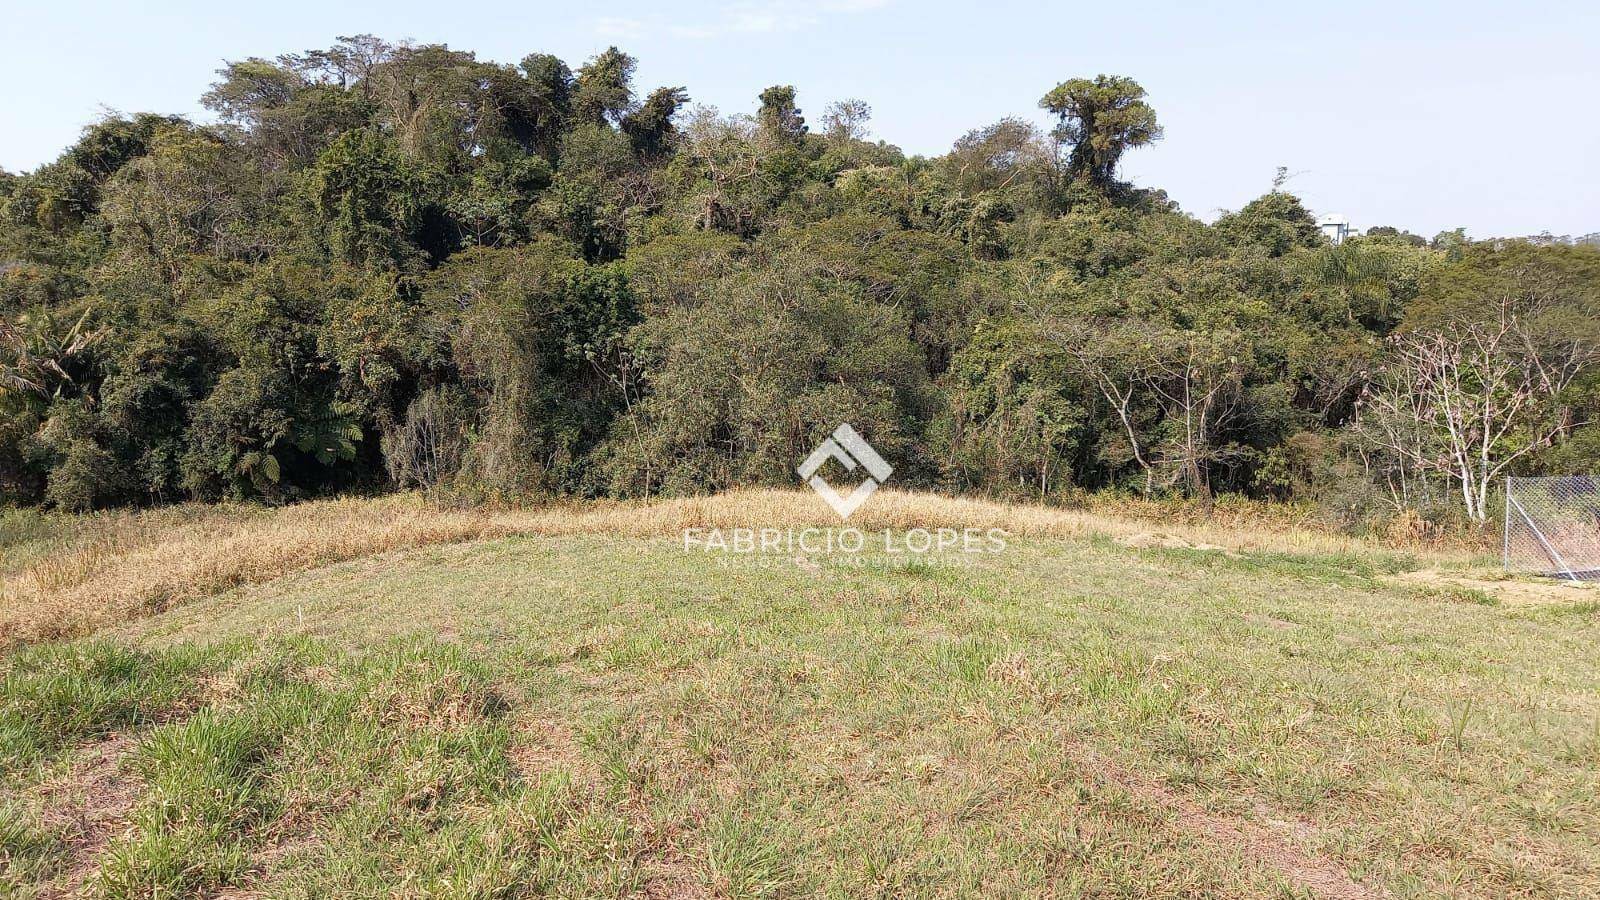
(123, 566)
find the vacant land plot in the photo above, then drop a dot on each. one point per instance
(568, 703)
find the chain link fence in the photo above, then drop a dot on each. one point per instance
(1553, 527)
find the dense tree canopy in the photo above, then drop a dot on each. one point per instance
(396, 266)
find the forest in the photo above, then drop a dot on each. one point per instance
(400, 267)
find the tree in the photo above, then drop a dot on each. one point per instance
(1198, 379)
(365, 199)
(603, 92)
(38, 357)
(186, 197)
(846, 120)
(745, 382)
(536, 342)
(1398, 235)
(1014, 422)
(291, 107)
(779, 117)
(1007, 153)
(550, 87)
(1101, 119)
(429, 105)
(650, 126)
(1468, 400)
(1275, 223)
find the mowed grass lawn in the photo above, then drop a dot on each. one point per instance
(607, 715)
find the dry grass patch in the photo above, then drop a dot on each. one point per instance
(118, 567)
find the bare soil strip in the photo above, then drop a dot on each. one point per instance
(1266, 845)
(91, 804)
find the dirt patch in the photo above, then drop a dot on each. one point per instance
(668, 873)
(1160, 540)
(1507, 590)
(1269, 842)
(544, 745)
(90, 805)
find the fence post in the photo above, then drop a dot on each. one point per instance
(1505, 530)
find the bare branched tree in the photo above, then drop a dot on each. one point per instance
(1197, 381)
(1466, 401)
(1172, 390)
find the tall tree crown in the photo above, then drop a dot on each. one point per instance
(1101, 119)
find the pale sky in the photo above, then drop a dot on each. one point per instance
(1425, 116)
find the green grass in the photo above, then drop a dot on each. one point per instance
(53, 696)
(29, 853)
(604, 716)
(388, 771)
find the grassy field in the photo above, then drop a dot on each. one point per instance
(374, 698)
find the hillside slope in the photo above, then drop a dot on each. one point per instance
(576, 705)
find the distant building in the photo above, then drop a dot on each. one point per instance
(1336, 227)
